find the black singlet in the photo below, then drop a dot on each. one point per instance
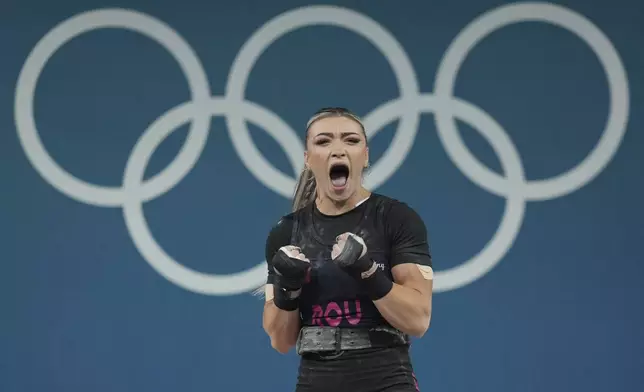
(394, 233)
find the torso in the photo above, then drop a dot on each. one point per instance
(332, 297)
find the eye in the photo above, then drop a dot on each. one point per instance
(321, 142)
(353, 140)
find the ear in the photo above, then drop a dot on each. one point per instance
(366, 160)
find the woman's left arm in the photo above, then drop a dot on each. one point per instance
(406, 301)
(408, 306)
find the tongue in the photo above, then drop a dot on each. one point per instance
(339, 181)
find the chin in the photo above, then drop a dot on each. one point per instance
(340, 195)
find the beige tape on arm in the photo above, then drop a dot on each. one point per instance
(426, 271)
(269, 293)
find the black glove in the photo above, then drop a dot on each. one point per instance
(350, 254)
(292, 270)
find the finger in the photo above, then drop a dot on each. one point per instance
(342, 237)
(289, 251)
(355, 237)
(301, 256)
(361, 242)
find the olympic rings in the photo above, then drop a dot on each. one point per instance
(237, 110)
(283, 24)
(133, 209)
(603, 152)
(24, 104)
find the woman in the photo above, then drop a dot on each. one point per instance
(350, 271)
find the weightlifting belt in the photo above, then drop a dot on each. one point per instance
(333, 339)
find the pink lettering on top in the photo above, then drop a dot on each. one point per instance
(332, 314)
(353, 320)
(333, 321)
(317, 315)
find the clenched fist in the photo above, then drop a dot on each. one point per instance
(292, 270)
(350, 253)
(291, 266)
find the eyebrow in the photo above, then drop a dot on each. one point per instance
(343, 134)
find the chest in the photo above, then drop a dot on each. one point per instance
(316, 239)
(316, 242)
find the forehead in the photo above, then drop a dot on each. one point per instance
(334, 125)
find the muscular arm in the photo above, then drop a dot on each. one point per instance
(408, 306)
(280, 325)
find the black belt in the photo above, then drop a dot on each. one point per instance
(333, 339)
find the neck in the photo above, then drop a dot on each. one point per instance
(328, 206)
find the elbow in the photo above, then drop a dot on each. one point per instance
(277, 343)
(280, 341)
(419, 328)
(281, 346)
(282, 338)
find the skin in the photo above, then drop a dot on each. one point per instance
(408, 305)
(333, 140)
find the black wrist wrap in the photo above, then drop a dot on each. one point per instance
(284, 300)
(377, 285)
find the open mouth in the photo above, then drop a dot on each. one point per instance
(339, 174)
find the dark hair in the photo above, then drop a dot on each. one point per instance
(305, 190)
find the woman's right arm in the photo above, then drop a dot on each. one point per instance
(282, 326)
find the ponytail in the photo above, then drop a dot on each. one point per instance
(305, 190)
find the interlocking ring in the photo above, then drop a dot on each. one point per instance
(237, 110)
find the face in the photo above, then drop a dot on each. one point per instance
(337, 153)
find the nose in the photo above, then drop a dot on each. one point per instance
(337, 150)
(338, 153)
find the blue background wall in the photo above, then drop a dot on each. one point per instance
(553, 303)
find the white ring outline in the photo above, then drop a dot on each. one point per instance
(444, 104)
(135, 221)
(54, 174)
(514, 211)
(594, 163)
(350, 20)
